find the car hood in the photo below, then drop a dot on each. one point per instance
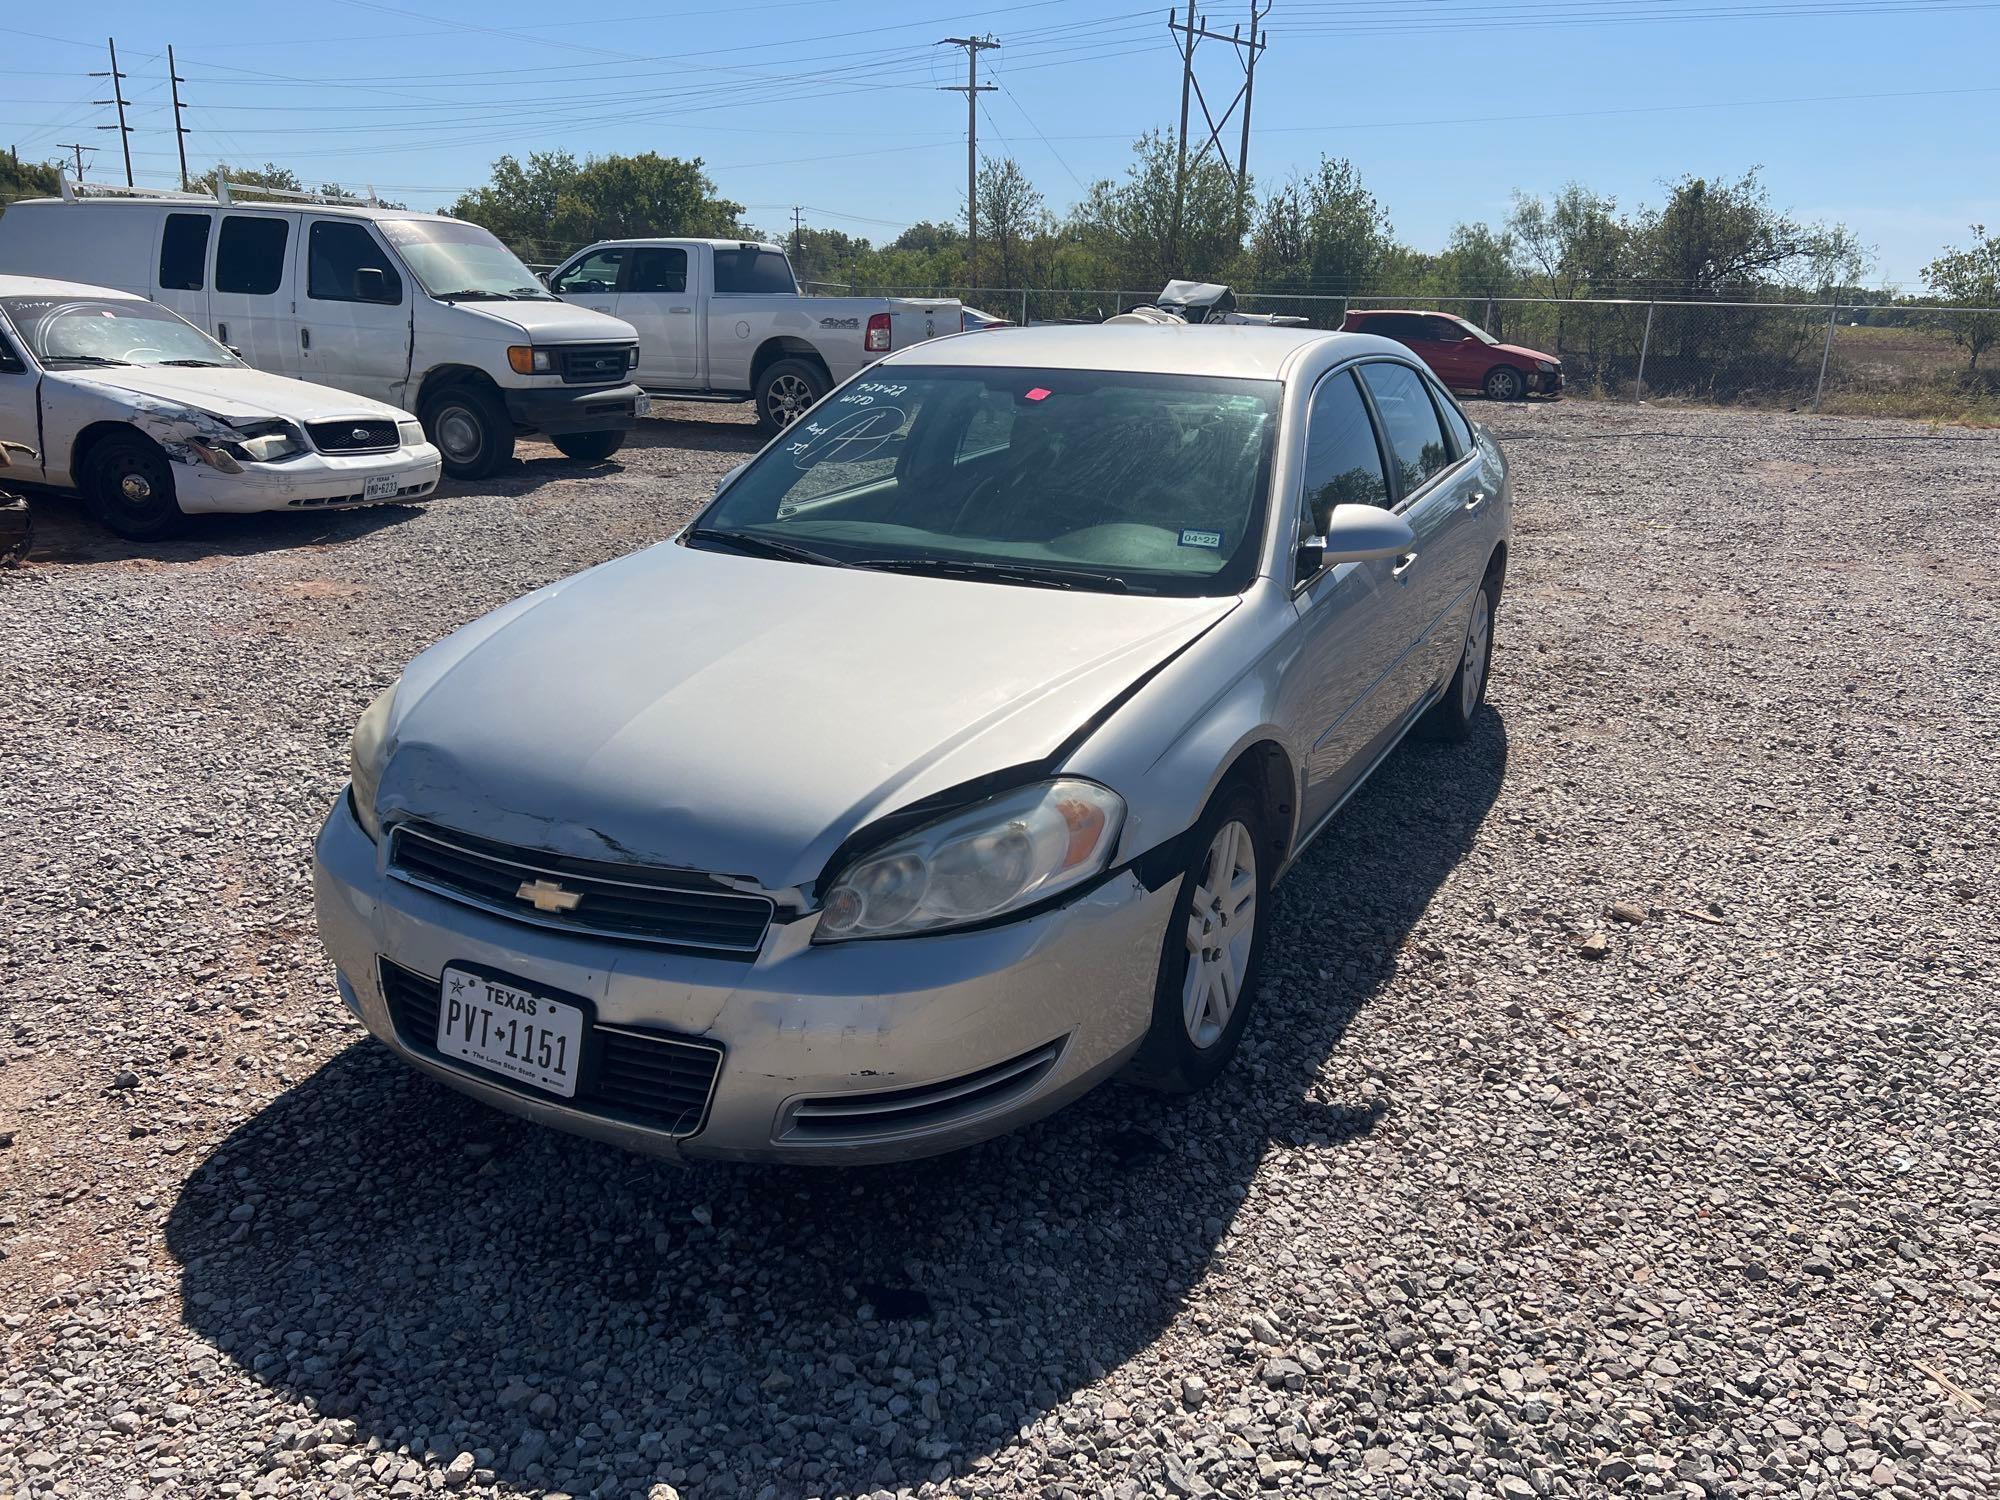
(552, 322)
(741, 716)
(234, 394)
(1520, 351)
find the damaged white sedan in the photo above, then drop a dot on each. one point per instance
(152, 420)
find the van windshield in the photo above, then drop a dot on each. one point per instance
(77, 332)
(462, 262)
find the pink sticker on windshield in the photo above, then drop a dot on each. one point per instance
(1040, 393)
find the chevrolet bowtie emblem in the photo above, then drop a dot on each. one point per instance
(548, 896)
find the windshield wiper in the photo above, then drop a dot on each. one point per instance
(194, 364)
(82, 359)
(471, 294)
(1032, 574)
(764, 546)
(531, 294)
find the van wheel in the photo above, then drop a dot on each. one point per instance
(471, 430)
(128, 485)
(1450, 718)
(1213, 951)
(589, 447)
(1504, 383)
(787, 390)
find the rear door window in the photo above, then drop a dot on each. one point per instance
(337, 251)
(596, 273)
(1454, 420)
(1410, 426)
(184, 253)
(753, 270)
(658, 270)
(250, 255)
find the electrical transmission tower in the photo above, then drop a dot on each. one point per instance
(118, 98)
(972, 88)
(1246, 50)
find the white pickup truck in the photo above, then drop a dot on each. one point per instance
(723, 320)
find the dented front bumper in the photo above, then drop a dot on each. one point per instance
(311, 481)
(843, 1053)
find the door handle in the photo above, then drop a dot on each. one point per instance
(305, 338)
(1403, 565)
(680, 309)
(1478, 499)
(222, 333)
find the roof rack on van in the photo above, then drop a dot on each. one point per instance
(225, 192)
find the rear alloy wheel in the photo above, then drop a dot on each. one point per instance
(471, 429)
(1450, 718)
(787, 391)
(1207, 981)
(1505, 383)
(128, 485)
(589, 447)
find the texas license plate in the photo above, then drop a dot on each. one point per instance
(642, 407)
(510, 1031)
(382, 487)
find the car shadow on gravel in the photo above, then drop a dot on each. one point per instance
(64, 534)
(450, 1280)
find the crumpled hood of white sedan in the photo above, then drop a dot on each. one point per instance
(742, 716)
(236, 395)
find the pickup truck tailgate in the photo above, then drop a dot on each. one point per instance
(914, 319)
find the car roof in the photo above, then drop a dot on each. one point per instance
(1404, 312)
(43, 286)
(684, 239)
(194, 203)
(1230, 350)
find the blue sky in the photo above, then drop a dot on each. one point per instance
(1879, 113)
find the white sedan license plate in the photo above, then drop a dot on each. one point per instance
(510, 1031)
(382, 487)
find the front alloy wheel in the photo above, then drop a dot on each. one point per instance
(1221, 924)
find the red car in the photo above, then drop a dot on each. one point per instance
(1463, 355)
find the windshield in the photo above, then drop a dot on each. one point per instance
(454, 259)
(1067, 478)
(64, 332)
(1475, 330)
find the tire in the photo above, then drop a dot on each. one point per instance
(589, 447)
(786, 390)
(471, 428)
(1504, 383)
(128, 485)
(1450, 718)
(1187, 1046)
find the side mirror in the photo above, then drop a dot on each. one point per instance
(1355, 533)
(371, 284)
(234, 350)
(727, 479)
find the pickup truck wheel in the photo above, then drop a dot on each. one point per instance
(787, 390)
(589, 447)
(1505, 383)
(471, 430)
(128, 485)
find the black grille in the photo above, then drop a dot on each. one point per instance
(365, 435)
(629, 902)
(931, 1106)
(639, 1078)
(597, 365)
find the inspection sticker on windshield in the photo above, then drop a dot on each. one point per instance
(1190, 537)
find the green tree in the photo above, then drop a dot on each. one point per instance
(1572, 244)
(1012, 216)
(552, 203)
(1970, 277)
(25, 179)
(1716, 239)
(270, 175)
(1127, 227)
(1322, 233)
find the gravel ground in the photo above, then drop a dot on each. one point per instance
(1620, 1117)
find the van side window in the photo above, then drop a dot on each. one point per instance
(337, 251)
(250, 256)
(658, 270)
(1343, 461)
(597, 272)
(184, 253)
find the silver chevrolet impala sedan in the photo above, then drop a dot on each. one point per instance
(943, 766)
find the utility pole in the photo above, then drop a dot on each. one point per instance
(1246, 51)
(118, 98)
(174, 81)
(972, 88)
(798, 235)
(79, 150)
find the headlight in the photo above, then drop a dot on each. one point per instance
(1545, 367)
(266, 442)
(525, 359)
(632, 358)
(410, 434)
(365, 756)
(1005, 853)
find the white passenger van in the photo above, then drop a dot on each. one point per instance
(421, 311)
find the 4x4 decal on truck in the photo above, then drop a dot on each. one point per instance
(840, 322)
